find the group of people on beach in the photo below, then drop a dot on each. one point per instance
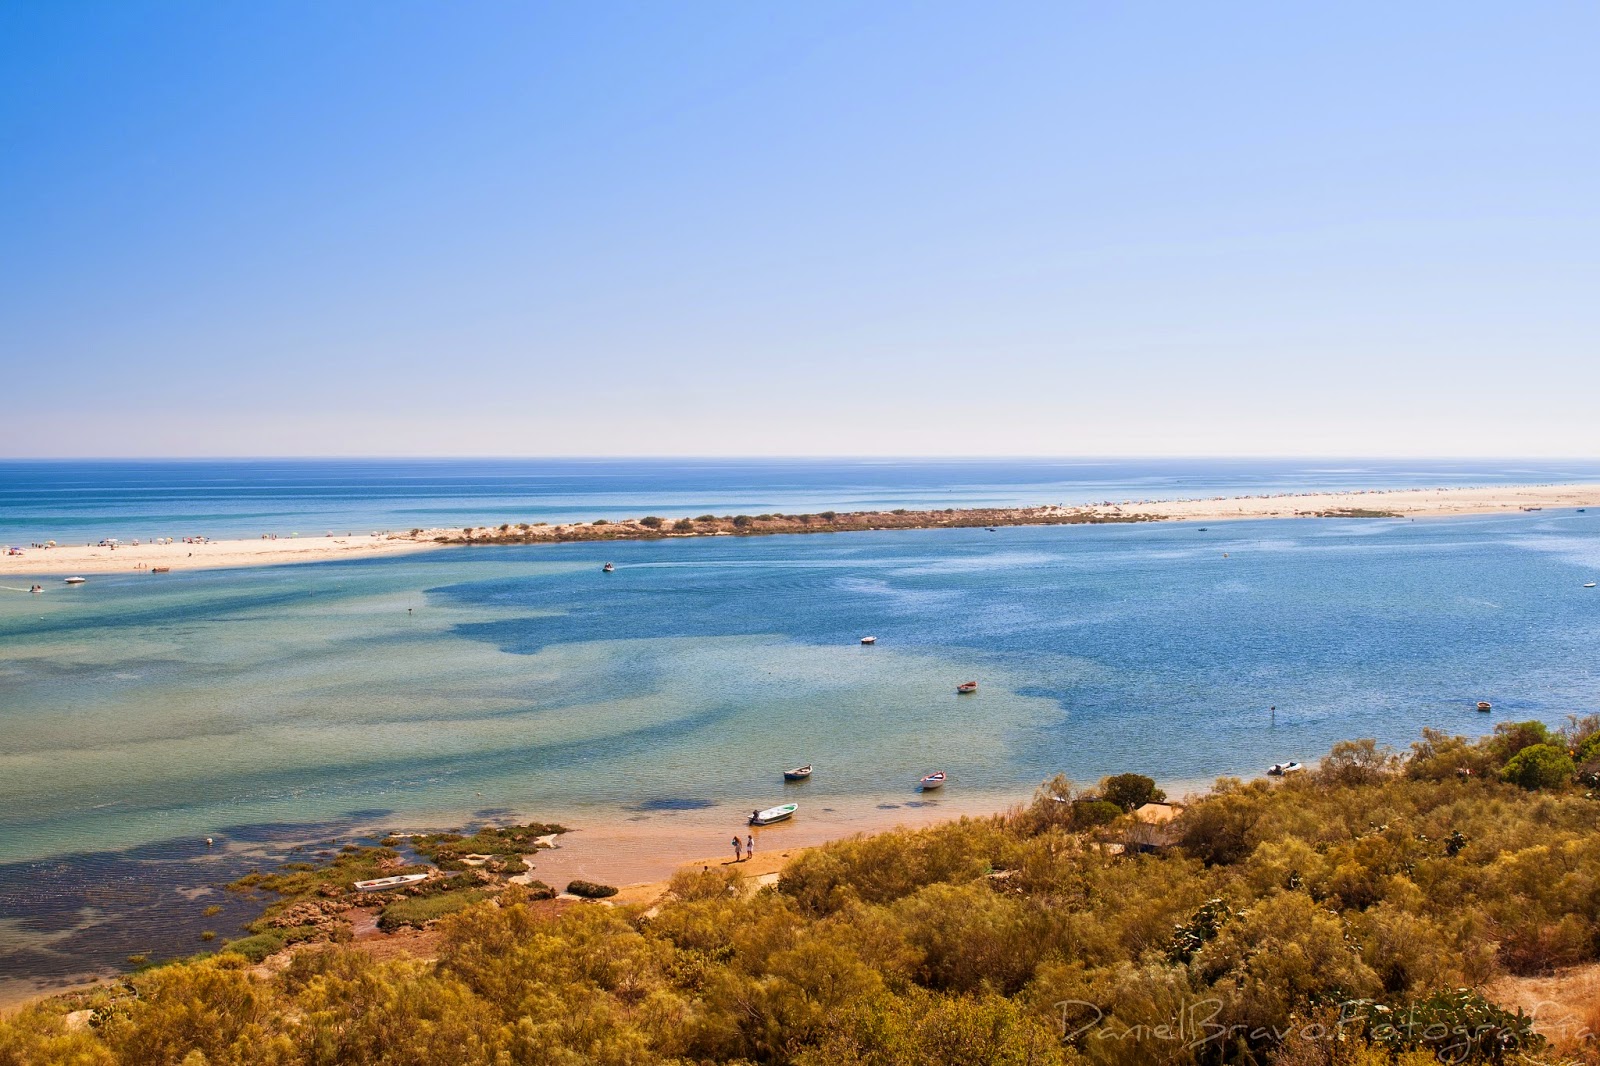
(744, 850)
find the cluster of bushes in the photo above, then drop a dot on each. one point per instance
(503, 847)
(1347, 917)
(590, 890)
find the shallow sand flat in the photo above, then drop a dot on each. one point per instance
(210, 555)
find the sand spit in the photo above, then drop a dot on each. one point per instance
(202, 554)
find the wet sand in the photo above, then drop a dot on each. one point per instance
(648, 850)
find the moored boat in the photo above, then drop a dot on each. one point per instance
(779, 813)
(1279, 769)
(931, 781)
(383, 884)
(869, 640)
(799, 773)
(76, 580)
(1588, 584)
(1485, 705)
(967, 686)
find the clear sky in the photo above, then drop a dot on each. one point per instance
(811, 228)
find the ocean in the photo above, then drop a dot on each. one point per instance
(74, 501)
(300, 704)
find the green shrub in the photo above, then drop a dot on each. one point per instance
(651, 522)
(1538, 766)
(418, 911)
(1089, 813)
(1458, 1026)
(590, 890)
(683, 525)
(257, 947)
(1589, 750)
(1512, 737)
(1129, 791)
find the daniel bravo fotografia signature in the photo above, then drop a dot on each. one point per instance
(1200, 1023)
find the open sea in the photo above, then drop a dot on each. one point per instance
(290, 705)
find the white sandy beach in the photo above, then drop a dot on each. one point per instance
(207, 555)
(1411, 503)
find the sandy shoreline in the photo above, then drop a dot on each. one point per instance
(1403, 503)
(71, 559)
(641, 851)
(206, 555)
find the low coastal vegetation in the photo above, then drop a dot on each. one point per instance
(652, 527)
(1375, 910)
(311, 903)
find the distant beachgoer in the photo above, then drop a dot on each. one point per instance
(750, 847)
(737, 854)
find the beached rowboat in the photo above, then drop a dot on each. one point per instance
(773, 814)
(933, 780)
(382, 884)
(799, 773)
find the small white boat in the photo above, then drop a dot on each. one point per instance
(1586, 584)
(1279, 769)
(383, 884)
(774, 814)
(869, 640)
(932, 781)
(799, 773)
(76, 580)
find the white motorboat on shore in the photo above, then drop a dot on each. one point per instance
(782, 812)
(383, 884)
(1282, 769)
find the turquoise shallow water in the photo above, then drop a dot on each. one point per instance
(139, 714)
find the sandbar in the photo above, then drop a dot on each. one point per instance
(1370, 503)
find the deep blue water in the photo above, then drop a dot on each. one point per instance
(85, 500)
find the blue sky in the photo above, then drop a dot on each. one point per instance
(820, 228)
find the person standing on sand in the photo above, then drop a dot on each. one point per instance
(738, 856)
(750, 846)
